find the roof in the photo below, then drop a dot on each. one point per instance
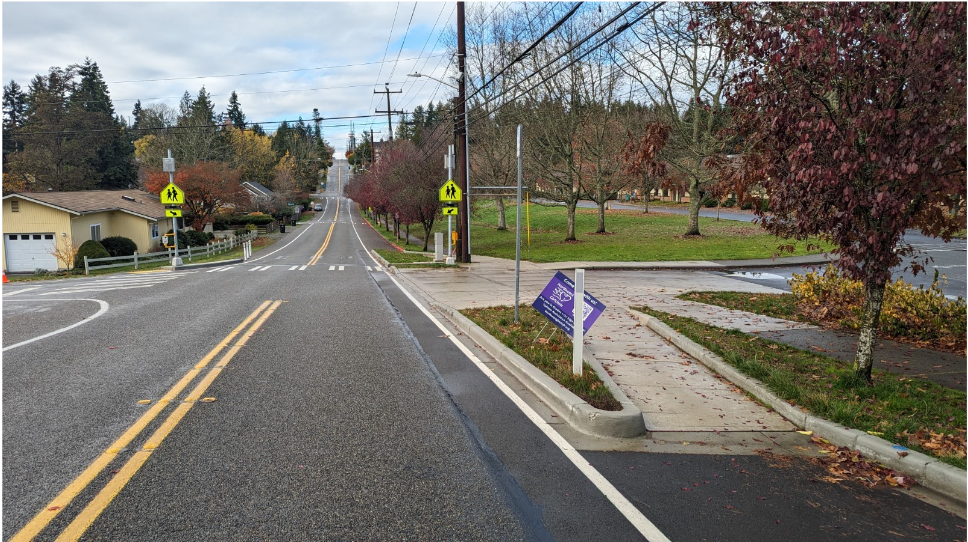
(82, 202)
(258, 189)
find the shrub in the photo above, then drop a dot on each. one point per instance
(920, 314)
(119, 246)
(91, 249)
(196, 238)
(730, 202)
(246, 229)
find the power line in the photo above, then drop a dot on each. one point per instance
(619, 30)
(253, 73)
(17, 134)
(554, 27)
(403, 41)
(385, 51)
(113, 100)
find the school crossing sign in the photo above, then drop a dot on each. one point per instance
(172, 195)
(450, 192)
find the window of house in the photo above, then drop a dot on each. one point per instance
(154, 230)
(14, 206)
(95, 232)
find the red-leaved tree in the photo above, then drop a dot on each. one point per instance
(208, 187)
(853, 120)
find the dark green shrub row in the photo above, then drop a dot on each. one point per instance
(225, 222)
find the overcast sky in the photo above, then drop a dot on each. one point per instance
(327, 55)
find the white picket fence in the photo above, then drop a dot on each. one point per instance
(216, 247)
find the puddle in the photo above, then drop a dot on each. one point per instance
(757, 276)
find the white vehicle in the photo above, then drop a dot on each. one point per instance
(318, 207)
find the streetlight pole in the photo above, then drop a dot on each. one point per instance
(464, 178)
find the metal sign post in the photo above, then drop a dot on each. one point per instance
(517, 241)
(450, 175)
(168, 164)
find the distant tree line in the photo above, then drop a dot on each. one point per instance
(62, 133)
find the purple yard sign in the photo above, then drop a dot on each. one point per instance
(557, 303)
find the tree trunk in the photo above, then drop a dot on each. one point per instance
(502, 221)
(695, 202)
(873, 301)
(601, 217)
(570, 235)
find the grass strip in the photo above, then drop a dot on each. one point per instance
(407, 259)
(915, 413)
(547, 348)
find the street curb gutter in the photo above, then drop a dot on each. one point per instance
(625, 423)
(927, 471)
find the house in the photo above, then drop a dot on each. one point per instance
(261, 196)
(34, 223)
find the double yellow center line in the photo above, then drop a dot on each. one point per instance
(97, 505)
(319, 253)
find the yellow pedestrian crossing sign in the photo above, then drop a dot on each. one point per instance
(450, 211)
(450, 191)
(172, 195)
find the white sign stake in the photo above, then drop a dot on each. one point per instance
(578, 335)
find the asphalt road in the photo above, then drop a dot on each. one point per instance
(303, 395)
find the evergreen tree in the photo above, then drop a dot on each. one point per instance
(14, 116)
(136, 114)
(91, 108)
(235, 112)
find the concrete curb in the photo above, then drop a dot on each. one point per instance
(626, 423)
(927, 471)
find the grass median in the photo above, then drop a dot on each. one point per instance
(915, 413)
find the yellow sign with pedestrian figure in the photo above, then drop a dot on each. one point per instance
(450, 191)
(172, 195)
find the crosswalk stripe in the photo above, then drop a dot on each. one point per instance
(293, 268)
(332, 268)
(303, 268)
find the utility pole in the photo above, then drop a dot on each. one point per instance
(389, 111)
(464, 206)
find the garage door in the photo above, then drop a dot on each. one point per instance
(27, 252)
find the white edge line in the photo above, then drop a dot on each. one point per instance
(101, 311)
(624, 506)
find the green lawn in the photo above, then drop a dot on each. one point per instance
(632, 236)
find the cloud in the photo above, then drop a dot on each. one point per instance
(156, 51)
